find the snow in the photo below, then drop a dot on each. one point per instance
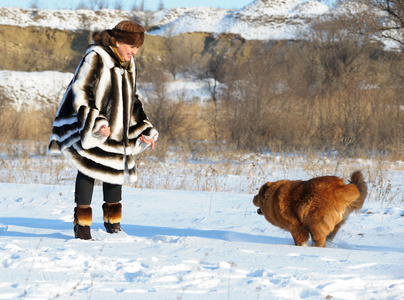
(270, 7)
(34, 89)
(313, 8)
(40, 89)
(261, 19)
(184, 243)
(190, 244)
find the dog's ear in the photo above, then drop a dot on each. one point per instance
(265, 187)
(261, 194)
(263, 190)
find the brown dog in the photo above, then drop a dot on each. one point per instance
(317, 207)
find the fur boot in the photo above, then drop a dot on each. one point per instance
(83, 219)
(112, 217)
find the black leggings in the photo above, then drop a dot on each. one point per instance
(85, 186)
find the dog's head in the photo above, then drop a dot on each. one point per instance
(267, 194)
(258, 199)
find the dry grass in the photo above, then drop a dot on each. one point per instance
(209, 171)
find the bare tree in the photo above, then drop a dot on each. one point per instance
(383, 19)
(144, 18)
(34, 4)
(161, 5)
(250, 99)
(98, 4)
(337, 64)
(171, 59)
(214, 71)
(118, 5)
(85, 21)
(82, 5)
(102, 4)
(135, 7)
(168, 115)
(93, 4)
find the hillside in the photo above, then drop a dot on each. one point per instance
(39, 40)
(54, 40)
(34, 48)
(262, 19)
(45, 59)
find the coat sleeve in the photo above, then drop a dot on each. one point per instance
(139, 121)
(140, 125)
(89, 116)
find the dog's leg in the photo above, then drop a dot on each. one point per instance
(300, 235)
(318, 237)
(333, 233)
(319, 241)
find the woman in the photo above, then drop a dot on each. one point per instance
(100, 124)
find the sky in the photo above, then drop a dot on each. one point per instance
(127, 5)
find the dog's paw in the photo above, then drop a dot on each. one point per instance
(259, 211)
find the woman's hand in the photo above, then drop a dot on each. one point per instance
(105, 130)
(148, 140)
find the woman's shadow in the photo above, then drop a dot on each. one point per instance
(7, 224)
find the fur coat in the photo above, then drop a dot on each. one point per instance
(102, 92)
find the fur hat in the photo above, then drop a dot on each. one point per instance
(127, 32)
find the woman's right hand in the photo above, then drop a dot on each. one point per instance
(105, 131)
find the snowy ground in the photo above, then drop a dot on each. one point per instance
(192, 245)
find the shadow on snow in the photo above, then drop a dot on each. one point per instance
(152, 231)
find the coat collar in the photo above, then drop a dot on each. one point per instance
(109, 58)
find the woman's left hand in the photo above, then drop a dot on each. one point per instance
(148, 140)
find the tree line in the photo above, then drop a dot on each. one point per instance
(338, 89)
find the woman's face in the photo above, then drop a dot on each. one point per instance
(126, 51)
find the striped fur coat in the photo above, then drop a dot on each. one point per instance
(102, 92)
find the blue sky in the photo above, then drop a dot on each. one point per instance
(127, 4)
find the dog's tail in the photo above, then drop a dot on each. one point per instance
(358, 180)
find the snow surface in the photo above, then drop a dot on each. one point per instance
(193, 244)
(190, 245)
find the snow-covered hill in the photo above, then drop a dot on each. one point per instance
(44, 89)
(262, 19)
(33, 89)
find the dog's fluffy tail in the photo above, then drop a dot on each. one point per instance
(358, 180)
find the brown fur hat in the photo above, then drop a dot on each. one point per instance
(127, 32)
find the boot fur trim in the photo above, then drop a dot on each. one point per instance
(83, 216)
(112, 213)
